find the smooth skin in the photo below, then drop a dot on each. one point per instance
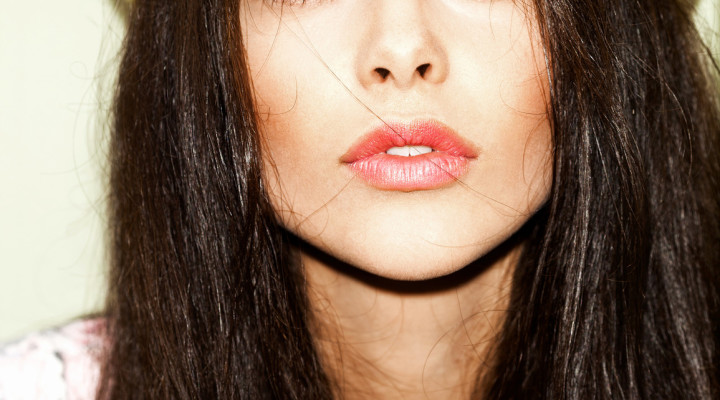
(326, 72)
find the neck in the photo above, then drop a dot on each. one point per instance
(388, 339)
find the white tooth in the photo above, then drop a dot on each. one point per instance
(399, 151)
(417, 150)
(408, 151)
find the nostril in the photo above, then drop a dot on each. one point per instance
(423, 69)
(383, 72)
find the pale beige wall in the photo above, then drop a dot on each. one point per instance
(53, 54)
(52, 59)
(708, 14)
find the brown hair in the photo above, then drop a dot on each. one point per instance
(616, 295)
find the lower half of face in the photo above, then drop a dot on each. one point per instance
(405, 138)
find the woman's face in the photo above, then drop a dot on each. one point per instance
(347, 89)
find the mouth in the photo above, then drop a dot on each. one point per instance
(419, 155)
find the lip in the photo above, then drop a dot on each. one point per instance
(444, 165)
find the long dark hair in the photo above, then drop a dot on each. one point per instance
(616, 295)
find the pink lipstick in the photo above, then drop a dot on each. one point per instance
(418, 155)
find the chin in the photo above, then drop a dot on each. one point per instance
(403, 257)
(419, 267)
(432, 240)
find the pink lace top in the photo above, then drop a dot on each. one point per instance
(60, 363)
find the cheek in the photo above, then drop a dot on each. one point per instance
(515, 170)
(528, 144)
(301, 148)
(535, 146)
(291, 140)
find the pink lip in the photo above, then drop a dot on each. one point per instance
(444, 165)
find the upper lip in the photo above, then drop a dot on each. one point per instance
(430, 133)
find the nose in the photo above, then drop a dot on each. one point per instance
(401, 47)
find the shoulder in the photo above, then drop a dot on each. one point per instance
(60, 363)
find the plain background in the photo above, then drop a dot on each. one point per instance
(57, 65)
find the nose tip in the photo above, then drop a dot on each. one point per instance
(401, 51)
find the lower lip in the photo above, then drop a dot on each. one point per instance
(423, 172)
